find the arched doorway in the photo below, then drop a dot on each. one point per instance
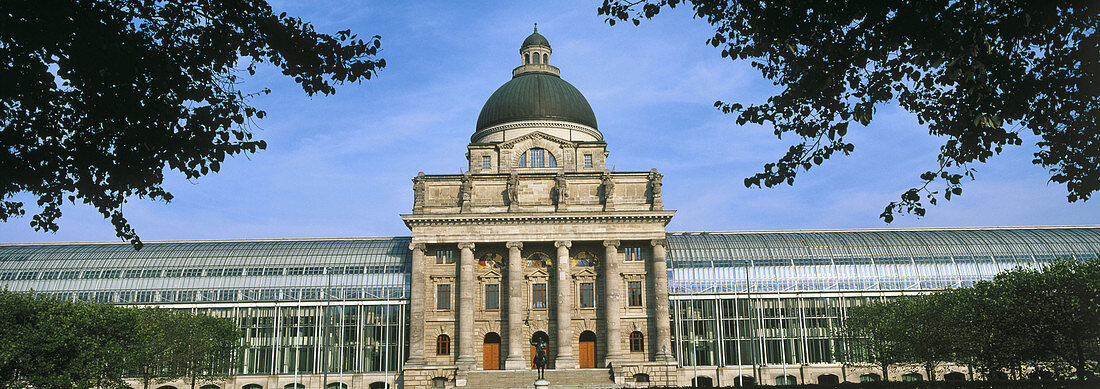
(828, 379)
(702, 382)
(587, 350)
(954, 376)
(745, 380)
(535, 338)
(490, 356)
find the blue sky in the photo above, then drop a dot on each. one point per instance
(339, 166)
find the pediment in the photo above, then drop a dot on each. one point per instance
(584, 272)
(491, 274)
(538, 273)
(537, 136)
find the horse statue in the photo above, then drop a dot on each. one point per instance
(540, 357)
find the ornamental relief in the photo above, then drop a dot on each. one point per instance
(584, 259)
(538, 260)
(490, 260)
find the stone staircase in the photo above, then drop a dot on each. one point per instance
(525, 379)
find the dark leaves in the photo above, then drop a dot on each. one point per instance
(974, 73)
(138, 87)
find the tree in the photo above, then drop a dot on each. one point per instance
(975, 72)
(99, 98)
(204, 347)
(874, 330)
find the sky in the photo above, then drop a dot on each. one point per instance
(340, 166)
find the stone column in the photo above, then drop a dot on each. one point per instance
(515, 308)
(417, 295)
(565, 359)
(464, 306)
(660, 301)
(613, 300)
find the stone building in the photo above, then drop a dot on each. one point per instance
(539, 242)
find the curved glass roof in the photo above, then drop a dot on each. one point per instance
(378, 268)
(170, 272)
(867, 260)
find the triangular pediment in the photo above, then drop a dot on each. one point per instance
(491, 274)
(538, 273)
(584, 272)
(537, 136)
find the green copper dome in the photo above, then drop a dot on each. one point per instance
(535, 39)
(536, 96)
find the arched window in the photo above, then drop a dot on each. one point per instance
(785, 380)
(912, 377)
(443, 345)
(336, 385)
(295, 385)
(252, 386)
(527, 59)
(167, 387)
(377, 385)
(828, 379)
(869, 377)
(536, 58)
(637, 342)
(545, 58)
(954, 376)
(537, 157)
(211, 386)
(641, 377)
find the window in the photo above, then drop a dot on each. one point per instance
(538, 296)
(526, 59)
(587, 295)
(443, 257)
(641, 377)
(588, 160)
(545, 58)
(443, 296)
(492, 296)
(486, 162)
(443, 345)
(439, 382)
(536, 58)
(537, 157)
(634, 292)
(637, 342)
(632, 254)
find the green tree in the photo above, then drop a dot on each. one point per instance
(205, 347)
(975, 72)
(98, 99)
(873, 331)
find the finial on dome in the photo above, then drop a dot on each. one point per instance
(536, 27)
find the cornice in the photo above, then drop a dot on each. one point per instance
(536, 124)
(536, 218)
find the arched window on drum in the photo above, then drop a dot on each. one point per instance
(537, 157)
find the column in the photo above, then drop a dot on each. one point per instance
(660, 301)
(565, 359)
(417, 296)
(613, 303)
(515, 308)
(464, 306)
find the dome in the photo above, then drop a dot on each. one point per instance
(535, 39)
(536, 96)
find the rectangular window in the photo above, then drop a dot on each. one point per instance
(538, 296)
(486, 162)
(443, 296)
(588, 160)
(634, 291)
(492, 296)
(632, 254)
(444, 257)
(587, 295)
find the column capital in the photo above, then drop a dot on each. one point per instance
(465, 245)
(563, 243)
(418, 247)
(611, 243)
(514, 245)
(659, 242)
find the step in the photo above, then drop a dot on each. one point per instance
(525, 379)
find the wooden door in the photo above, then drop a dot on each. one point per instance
(491, 356)
(587, 350)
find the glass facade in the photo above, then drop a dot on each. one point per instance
(779, 298)
(339, 305)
